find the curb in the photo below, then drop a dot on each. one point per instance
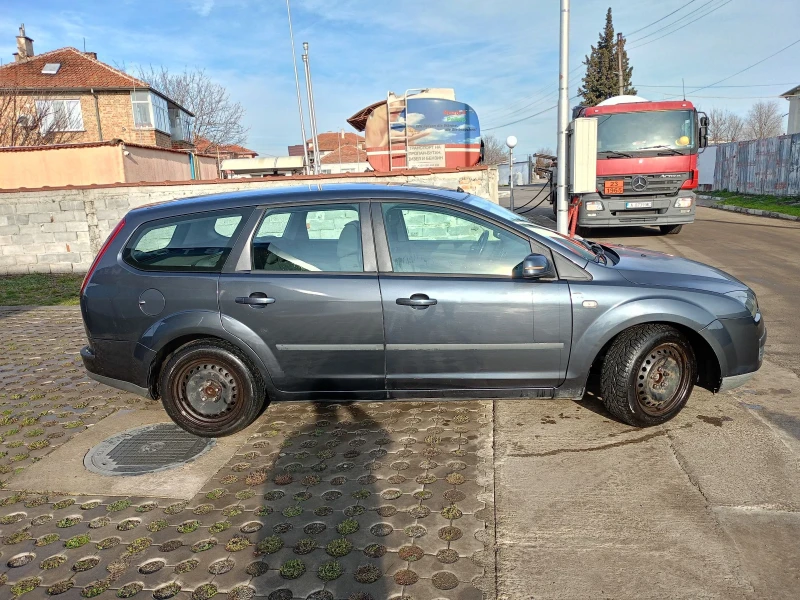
(749, 211)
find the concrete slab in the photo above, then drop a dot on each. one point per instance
(588, 510)
(767, 544)
(63, 470)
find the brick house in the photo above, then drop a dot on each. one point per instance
(68, 96)
(225, 151)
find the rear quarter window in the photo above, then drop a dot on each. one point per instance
(197, 242)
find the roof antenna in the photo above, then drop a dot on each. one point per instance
(84, 45)
(683, 83)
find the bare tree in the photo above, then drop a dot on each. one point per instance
(494, 151)
(763, 120)
(724, 126)
(216, 117)
(37, 118)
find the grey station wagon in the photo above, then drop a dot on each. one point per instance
(220, 304)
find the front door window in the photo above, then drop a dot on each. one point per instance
(431, 239)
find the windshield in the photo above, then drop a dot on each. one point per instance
(564, 242)
(665, 130)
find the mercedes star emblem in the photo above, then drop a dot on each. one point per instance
(639, 183)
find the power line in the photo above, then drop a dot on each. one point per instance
(520, 120)
(662, 18)
(638, 85)
(678, 20)
(681, 26)
(794, 43)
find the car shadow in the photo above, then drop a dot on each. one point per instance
(321, 535)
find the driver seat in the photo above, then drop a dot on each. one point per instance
(348, 248)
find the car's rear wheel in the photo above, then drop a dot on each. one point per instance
(648, 375)
(210, 390)
(670, 229)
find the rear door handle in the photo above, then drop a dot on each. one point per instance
(255, 300)
(418, 301)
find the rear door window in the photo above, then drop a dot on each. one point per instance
(319, 238)
(197, 242)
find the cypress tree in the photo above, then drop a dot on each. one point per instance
(601, 80)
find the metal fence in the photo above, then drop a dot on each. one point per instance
(770, 166)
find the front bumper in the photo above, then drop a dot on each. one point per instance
(740, 348)
(616, 214)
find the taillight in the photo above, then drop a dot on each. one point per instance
(103, 249)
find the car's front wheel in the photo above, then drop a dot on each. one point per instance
(210, 390)
(648, 374)
(670, 229)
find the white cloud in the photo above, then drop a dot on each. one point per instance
(202, 7)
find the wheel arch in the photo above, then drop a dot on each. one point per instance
(174, 331)
(709, 369)
(590, 346)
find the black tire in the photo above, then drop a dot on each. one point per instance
(233, 395)
(670, 229)
(648, 375)
(583, 231)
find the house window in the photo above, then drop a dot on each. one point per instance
(160, 113)
(59, 115)
(180, 125)
(141, 108)
(150, 110)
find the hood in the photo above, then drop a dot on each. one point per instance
(648, 267)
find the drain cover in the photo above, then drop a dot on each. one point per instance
(146, 449)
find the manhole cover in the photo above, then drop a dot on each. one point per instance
(146, 449)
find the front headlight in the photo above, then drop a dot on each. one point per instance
(594, 205)
(683, 203)
(748, 300)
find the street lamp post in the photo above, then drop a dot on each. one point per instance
(312, 116)
(511, 141)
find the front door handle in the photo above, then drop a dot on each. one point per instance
(255, 300)
(417, 301)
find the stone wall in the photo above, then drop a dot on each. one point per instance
(60, 230)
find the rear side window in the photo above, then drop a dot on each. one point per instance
(198, 242)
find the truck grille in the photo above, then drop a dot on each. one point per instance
(655, 184)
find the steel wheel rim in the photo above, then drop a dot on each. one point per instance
(207, 391)
(662, 379)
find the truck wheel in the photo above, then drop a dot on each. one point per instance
(670, 229)
(648, 375)
(209, 390)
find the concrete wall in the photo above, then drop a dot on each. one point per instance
(39, 167)
(152, 164)
(50, 166)
(61, 230)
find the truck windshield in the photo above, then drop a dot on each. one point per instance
(668, 131)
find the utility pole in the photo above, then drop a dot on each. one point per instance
(619, 64)
(311, 112)
(563, 119)
(297, 87)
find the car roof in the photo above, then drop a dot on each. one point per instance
(306, 193)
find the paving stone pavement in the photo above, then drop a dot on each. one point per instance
(323, 501)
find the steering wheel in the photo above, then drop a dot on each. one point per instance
(480, 245)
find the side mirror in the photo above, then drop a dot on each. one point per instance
(703, 133)
(536, 266)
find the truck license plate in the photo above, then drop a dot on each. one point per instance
(638, 205)
(613, 186)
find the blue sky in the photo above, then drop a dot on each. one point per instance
(501, 57)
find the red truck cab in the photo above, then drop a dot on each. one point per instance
(646, 163)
